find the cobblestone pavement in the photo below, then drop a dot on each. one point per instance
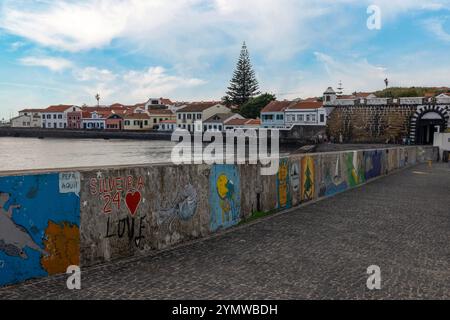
(321, 251)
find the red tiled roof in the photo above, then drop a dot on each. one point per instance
(32, 110)
(168, 121)
(236, 122)
(58, 108)
(254, 122)
(305, 105)
(242, 122)
(138, 116)
(86, 114)
(197, 106)
(161, 112)
(117, 106)
(166, 102)
(276, 106)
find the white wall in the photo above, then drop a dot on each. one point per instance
(442, 140)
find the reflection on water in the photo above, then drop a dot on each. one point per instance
(31, 153)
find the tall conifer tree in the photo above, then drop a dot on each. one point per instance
(243, 85)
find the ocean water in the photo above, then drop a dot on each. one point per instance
(48, 153)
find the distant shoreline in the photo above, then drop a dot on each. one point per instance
(82, 134)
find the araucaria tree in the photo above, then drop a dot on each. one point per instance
(243, 85)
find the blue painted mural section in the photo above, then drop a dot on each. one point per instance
(373, 163)
(27, 205)
(224, 196)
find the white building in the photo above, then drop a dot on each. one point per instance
(93, 120)
(28, 118)
(286, 114)
(198, 112)
(305, 113)
(443, 98)
(158, 102)
(217, 121)
(167, 125)
(272, 115)
(55, 117)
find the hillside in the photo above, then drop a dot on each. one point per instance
(398, 92)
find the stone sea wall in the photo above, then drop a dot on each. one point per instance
(49, 221)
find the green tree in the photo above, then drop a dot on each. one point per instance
(252, 108)
(308, 183)
(243, 85)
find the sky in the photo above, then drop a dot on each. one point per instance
(65, 52)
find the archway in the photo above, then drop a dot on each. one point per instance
(426, 121)
(427, 125)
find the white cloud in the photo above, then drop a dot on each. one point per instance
(94, 74)
(436, 27)
(155, 81)
(130, 87)
(52, 63)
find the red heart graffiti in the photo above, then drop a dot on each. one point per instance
(133, 200)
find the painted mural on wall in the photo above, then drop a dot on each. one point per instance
(39, 225)
(224, 196)
(373, 163)
(332, 177)
(121, 199)
(355, 169)
(392, 160)
(283, 185)
(403, 157)
(294, 177)
(182, 208)
(307, 178)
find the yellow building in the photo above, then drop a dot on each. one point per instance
(159, 115)
(137, 121)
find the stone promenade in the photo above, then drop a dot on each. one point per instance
(321, 251)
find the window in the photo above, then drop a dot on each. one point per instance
(328, 98)
(54, 116)
(313, 118)
(146, 122)
(127, 122)
(154, 120)
(60, 125)
(179, 116)
(280, 117)
(300, 117)
(59, 116)
(189, 116)
(199, 116)
(43, 116)
(308, 118)
(322, 118)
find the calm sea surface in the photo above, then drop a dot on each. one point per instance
(33, 153)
